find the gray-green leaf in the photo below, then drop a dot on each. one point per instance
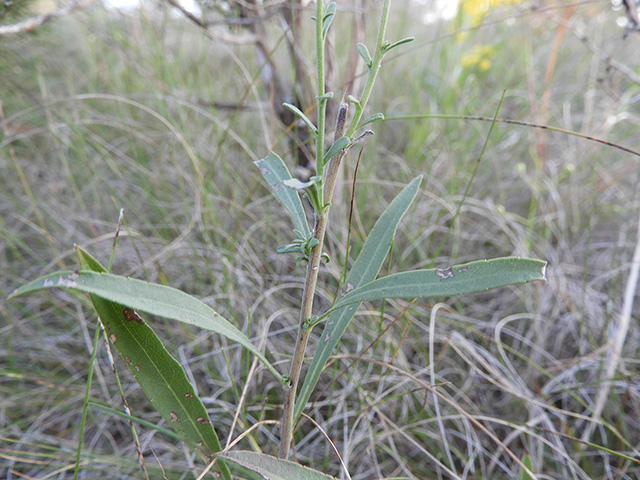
(329, 15)
(364, 53)
(373, 118)
(300, 114)
(470, 277)
(147, 297)
(397, 44)
(338, 145)
(160, 376)
(275, 172)
(273, 468)
(364, 270)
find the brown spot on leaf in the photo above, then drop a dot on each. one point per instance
(203, 421)
(174, 416)
(113, 338)
(131, 316)
(188, 395)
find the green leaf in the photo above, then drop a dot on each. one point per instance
(364, 270)
(373, 118)
(338, 145)
(147, 297)
(273, 468)
(471, 277)
(364, 53)
(329, 15)
(326, 96)
(397, 44)
(274, 171)
(356, 103)
(528, 462)
(302, 116)
(160, 376)
(312, 190)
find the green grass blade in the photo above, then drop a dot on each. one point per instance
(274, 468)
(527, 462)
(364, 270)
(274, 171)
(471, 277)
(160, 376)
(147, 297)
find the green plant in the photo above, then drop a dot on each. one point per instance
(117, 299)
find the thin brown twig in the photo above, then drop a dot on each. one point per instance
(30, 24)
(246, 39)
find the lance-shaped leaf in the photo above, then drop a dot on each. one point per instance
(338, 145)
(388, 46)
(274, 171)
(444, 282)
(160, 376)
(373, 118)
(364, 53)
(300, 114)
(273, 468)
(147, 297)
(364, 270)
(329, 14)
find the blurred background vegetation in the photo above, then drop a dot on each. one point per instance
(159, 114)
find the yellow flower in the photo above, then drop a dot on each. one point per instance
(477, 9)
(479, 57)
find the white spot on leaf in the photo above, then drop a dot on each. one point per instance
(68, 281)
(445, 273)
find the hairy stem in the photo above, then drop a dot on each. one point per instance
(321, 217)
(322, 100)
(375, 66)
(316, 255)
(313, 267)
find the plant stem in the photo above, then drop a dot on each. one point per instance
(313, 266)
(303, 336)
(306, 310)
(321, 217)
(322, 100)
(375, 67)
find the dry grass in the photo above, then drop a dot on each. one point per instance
(100, 113)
